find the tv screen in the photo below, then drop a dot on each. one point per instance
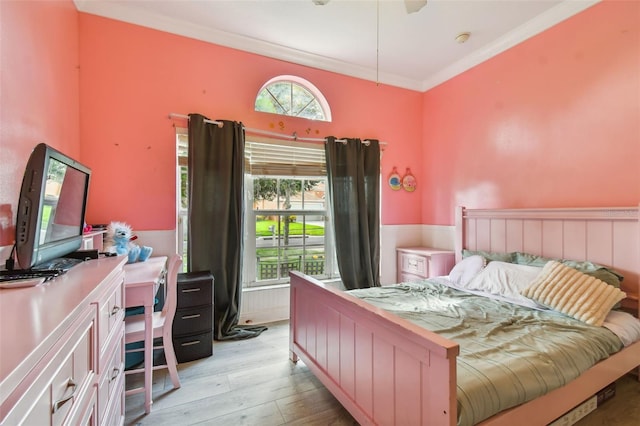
(51, 208)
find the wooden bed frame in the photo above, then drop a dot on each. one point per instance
(387, 371)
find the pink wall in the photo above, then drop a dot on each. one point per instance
(552, 122)
(133, 77)
(39, 94)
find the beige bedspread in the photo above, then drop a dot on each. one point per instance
(508, 354)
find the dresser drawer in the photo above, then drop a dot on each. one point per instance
(63, 385)
(192, 347)
(85, 414)
(111, 383)
(110, 315)
(193, 320)
(195, 289)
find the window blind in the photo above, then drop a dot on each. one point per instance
(284, 159)
(271, 158)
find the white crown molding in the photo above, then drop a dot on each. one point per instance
(527, 30)
(127, 12)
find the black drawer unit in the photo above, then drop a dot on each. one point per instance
(193, 346)
(193, 322)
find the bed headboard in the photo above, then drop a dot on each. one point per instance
(608, 236)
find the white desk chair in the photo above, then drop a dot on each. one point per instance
(162, 325)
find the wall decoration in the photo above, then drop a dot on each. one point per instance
(409, 181)
(394, 180)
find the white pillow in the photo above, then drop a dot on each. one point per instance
(466, 269)
(504, 279)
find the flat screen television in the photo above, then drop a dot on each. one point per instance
(51, 208)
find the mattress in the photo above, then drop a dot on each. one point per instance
(509, 354)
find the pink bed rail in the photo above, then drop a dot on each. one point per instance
(383, 369)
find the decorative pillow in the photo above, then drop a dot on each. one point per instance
(573, 293)
(504, 279)
(490, 256)
(466, 269)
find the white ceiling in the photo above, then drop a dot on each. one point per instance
(377, 41)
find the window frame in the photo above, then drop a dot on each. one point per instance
(304, 84)
(182, 213)
(250, 257)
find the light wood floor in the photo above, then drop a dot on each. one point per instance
(252, 382)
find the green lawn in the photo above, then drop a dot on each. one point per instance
(270, 253)
(295, 228)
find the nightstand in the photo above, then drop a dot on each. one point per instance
(418, 263)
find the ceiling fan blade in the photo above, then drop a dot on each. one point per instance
(414, 5)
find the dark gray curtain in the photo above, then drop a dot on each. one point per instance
(353, 171)
(216, 186)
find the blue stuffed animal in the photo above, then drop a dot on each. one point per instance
(119, 241)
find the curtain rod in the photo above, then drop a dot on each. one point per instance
(293, 137)
(186, 117)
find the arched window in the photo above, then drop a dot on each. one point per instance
(292, 96)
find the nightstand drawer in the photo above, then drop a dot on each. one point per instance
(414, 264)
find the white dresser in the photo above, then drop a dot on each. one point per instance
(62, 348)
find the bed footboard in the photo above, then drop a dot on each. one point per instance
(349, 345)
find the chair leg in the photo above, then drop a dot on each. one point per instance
(172, 362)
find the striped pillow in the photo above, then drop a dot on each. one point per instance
(573, 293)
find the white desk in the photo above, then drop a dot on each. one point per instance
(141, 283)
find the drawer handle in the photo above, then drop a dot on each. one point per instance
(115, 310)
(114, 374)
(195, 342)
(190, 290)
(58, 404)
(191, 316)
(413, 262)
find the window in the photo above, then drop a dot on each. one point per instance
(292, 96)
(286, 211)
(287, 214)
